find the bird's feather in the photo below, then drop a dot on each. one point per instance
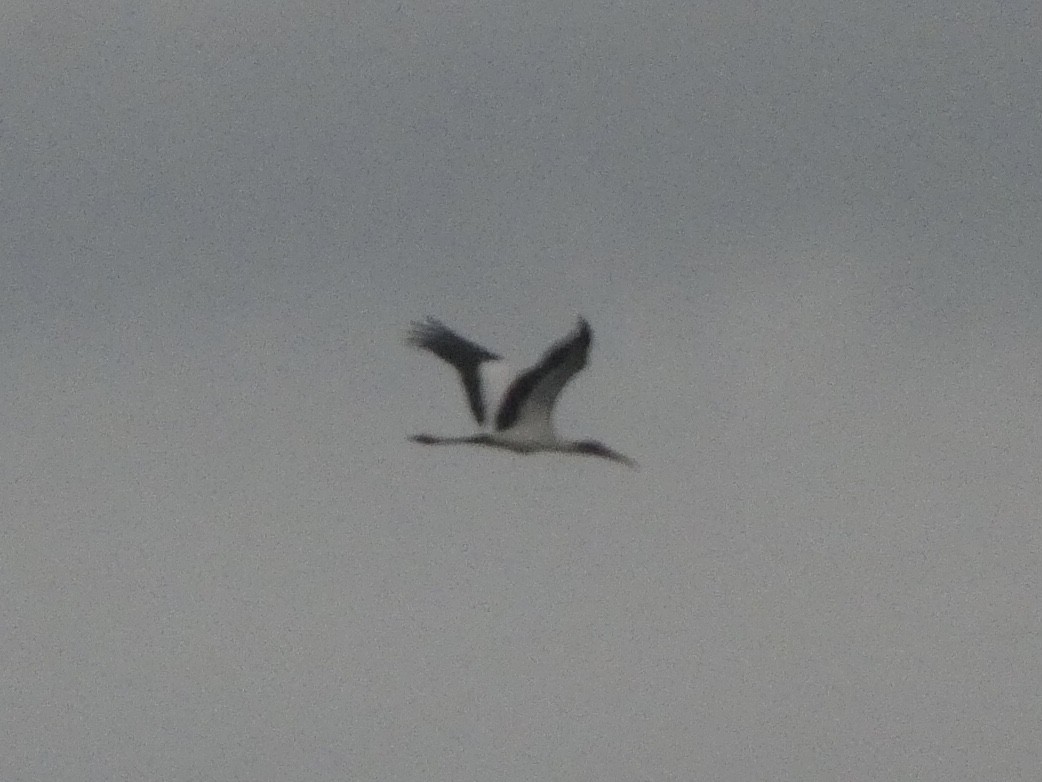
(464, 355)
(532, 395)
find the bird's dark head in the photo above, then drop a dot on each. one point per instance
(596, 448)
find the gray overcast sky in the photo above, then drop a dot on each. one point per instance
(807, 236)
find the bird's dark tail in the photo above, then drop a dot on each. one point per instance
(430, 439)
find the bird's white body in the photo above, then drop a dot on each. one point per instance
(514, 410)
(496, 377)
(532, 431)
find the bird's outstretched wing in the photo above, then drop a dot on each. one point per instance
(464, 355)
(532, 395)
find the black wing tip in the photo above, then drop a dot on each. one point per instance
(582, 332)
(424, 324)
(582, 326)
(420, 332)
(431, 334)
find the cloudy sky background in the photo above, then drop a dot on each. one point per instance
(807, 236)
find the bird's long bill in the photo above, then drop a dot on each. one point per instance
(618, 457)
(600, 449)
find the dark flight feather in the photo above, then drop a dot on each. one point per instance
(464, 355)
(546, 379)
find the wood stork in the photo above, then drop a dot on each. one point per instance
(522, 418)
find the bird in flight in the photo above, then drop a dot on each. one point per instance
(514, 409)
